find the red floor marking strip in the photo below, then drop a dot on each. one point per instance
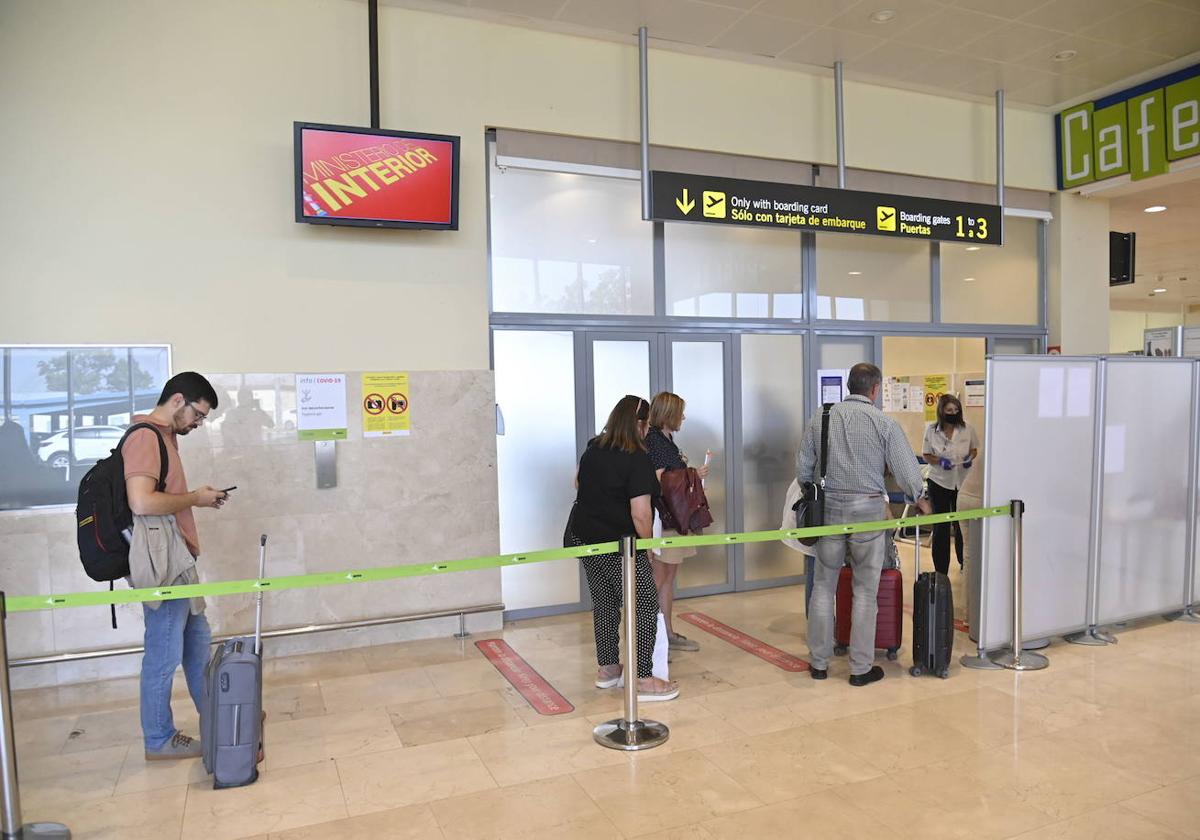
(749, 644)
(539, 693)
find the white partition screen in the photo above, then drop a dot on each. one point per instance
(1148, 405)
(1041, 434)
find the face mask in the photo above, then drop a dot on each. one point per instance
(952, 419)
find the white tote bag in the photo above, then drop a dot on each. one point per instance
(789, 520)
(661, 648)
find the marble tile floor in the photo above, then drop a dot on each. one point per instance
(424, 740)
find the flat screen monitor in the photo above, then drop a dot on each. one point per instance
(1121, 248)
(370, 177)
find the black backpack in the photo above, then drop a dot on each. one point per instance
(102, 513)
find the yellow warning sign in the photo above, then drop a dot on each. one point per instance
(714, 204)
(885, 218)
(385, 404)
(935, 386)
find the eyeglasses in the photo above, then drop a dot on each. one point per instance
(200, 415)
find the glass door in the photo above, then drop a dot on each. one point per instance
(698, 368)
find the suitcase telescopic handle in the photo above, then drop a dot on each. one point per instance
(258, 596)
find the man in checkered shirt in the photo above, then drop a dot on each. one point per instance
(863, 442)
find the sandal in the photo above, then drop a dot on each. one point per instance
(603, 681)
(666, 690)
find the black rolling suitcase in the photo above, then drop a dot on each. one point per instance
(933, 621)
(231, 714)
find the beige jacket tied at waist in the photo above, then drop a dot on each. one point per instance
(159, 556)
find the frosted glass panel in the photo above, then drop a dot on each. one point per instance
(1014, 346)
(1040, 450)
(872, 278)
(843, 352)
(535, 461)
(698, 375)
(569, 243)
(984, 284)
(618, 368)
(772, 425)
(1143, 549)
(733, 272)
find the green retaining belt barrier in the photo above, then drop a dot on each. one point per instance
(27, 603)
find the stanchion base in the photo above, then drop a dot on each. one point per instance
(462, 635)
(1092, 636)
(980, 663)
(44, 831)
(620, 734)
(1035, 644)
(1026, 661)
(1189, 616)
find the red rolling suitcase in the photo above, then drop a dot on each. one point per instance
(888, 624)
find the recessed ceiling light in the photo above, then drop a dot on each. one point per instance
(1155, 208)
(854, 273)
(1065, 55)
(972, 247)
(591, 241)
(1159, 291)
(883, 16)
(968, 279)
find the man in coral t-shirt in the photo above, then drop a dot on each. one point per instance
(176, 631)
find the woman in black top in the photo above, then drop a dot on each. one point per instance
(666, 418)
(615, 484)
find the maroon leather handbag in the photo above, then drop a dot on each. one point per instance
(683, 507)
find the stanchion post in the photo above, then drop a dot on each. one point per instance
(1016, 659)
(629, 733)
(10, 794)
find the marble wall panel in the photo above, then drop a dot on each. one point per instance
(428, 497)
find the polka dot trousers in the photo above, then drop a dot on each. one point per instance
(604, 582)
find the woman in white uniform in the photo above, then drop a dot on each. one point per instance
(950, 448)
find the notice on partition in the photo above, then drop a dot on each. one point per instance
(916, 395)
(385, 404)
(935, 387)
(1191, 342)
(976, 393)
(321, 406)
(896, 391)
(831, 385)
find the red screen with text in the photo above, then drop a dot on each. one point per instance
(347, 175)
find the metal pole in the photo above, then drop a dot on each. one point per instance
(1093, 635)
(10, 795)
(282, 632)
(644, 94)
(1189, 574)
(1016, 659)
(1000, 157)
(462, 627)
(839, 123)
(629, 733)
(629, 618)
(373, 57)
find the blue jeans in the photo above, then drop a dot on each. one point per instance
(867, 553)
(173, 637)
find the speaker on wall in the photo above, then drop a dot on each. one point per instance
(1120, 258)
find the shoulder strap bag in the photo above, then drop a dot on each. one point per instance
(810, 509)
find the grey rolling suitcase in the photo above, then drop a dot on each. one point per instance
(231, 716)
(933, 621)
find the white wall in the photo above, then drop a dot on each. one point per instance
(148, 148)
